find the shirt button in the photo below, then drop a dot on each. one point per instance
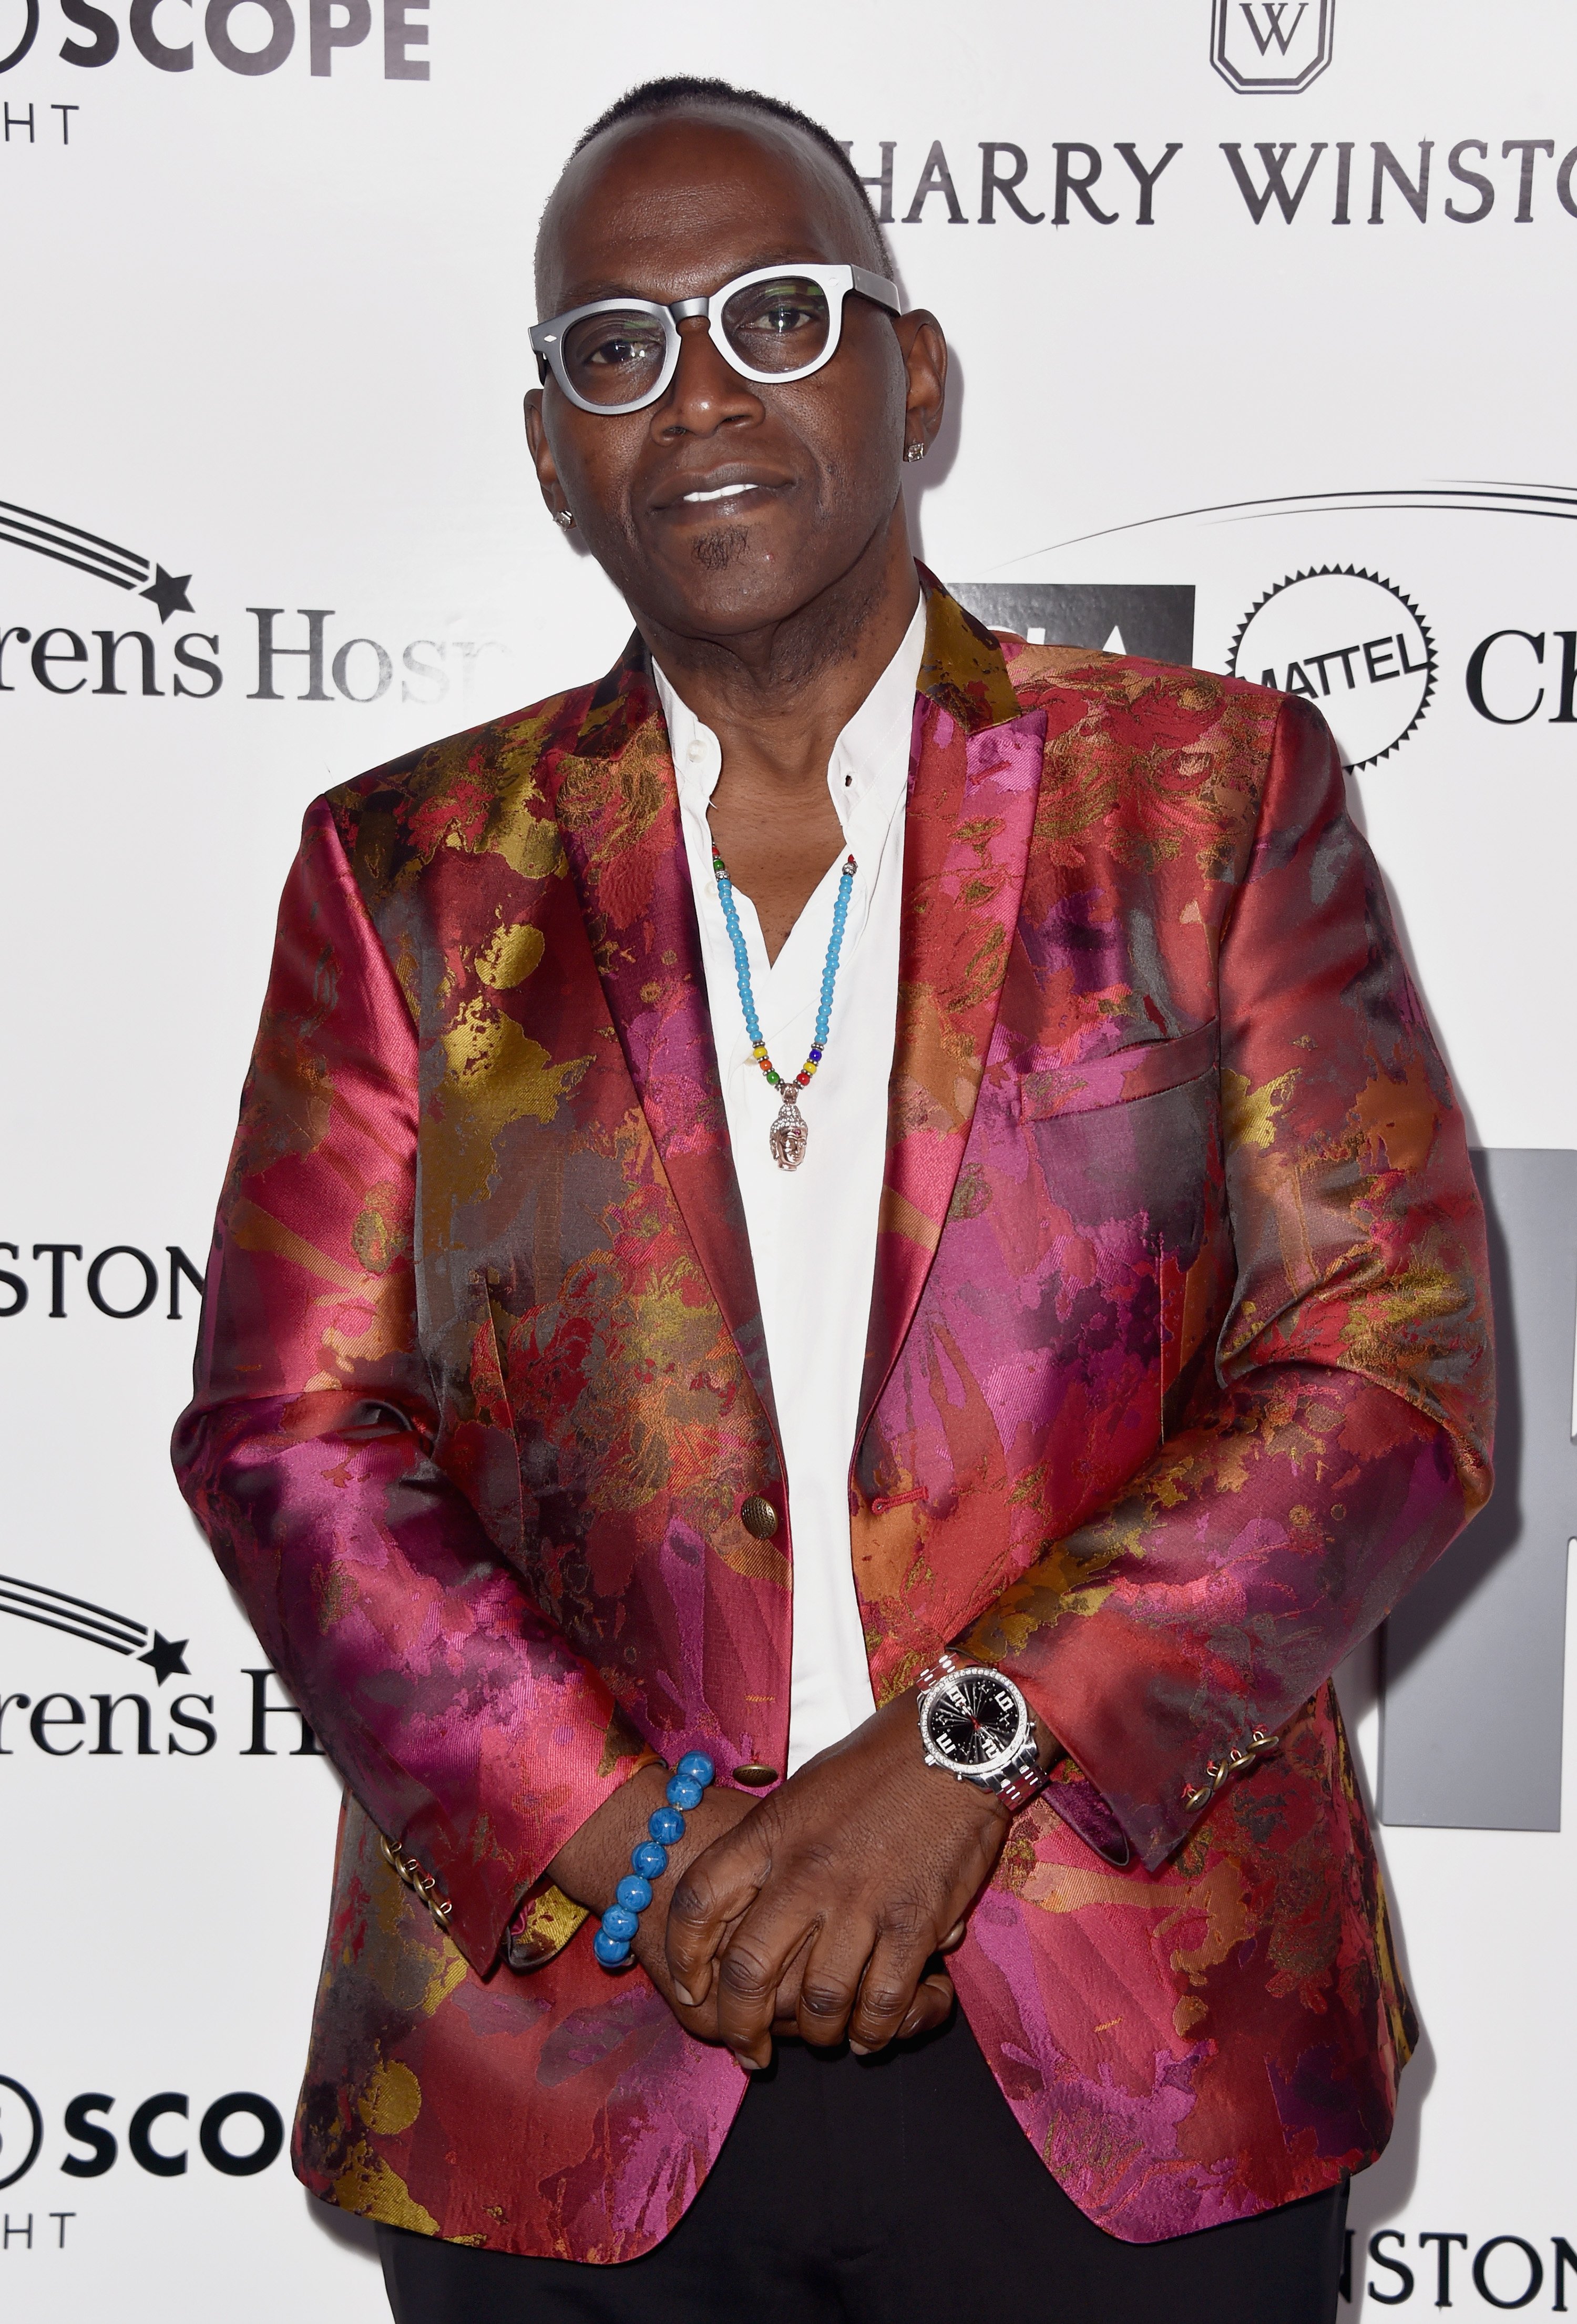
(759, 1517)
(697, 751)
(755, 1774)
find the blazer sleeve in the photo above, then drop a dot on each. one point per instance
(312, 1458)
(1343, 1435)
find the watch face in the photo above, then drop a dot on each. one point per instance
(976, 1722)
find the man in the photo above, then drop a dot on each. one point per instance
(585, 1383)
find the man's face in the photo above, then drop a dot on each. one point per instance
(670, 209)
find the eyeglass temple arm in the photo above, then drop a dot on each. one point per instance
(877, 286)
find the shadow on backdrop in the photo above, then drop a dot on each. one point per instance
(1471, 1706)
(343, 2227)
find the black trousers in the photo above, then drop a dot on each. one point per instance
(876, 2190)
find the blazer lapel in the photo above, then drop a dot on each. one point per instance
(974, 781)
(974, 777)
(617, 805)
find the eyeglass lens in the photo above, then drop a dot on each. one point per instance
(778, 324)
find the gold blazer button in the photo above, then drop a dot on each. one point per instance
(757, 1776)
(759, 1517)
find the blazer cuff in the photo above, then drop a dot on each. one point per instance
(546, 1918)
(1082, 1806)
(1086, 1810)
(542, 1927)
(478, 1904)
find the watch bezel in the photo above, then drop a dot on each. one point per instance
(980, 1771)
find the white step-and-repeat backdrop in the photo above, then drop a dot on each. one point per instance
(1263, 325)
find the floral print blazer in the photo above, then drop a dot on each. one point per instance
(1178, 1374)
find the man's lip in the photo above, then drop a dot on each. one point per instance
(718, 490)
(721, 493)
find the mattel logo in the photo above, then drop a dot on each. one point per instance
(1351, 641)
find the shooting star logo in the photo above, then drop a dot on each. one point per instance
(1557, 502)
(90, 552)
(80, 1618)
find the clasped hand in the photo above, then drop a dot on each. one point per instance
(816, 1910)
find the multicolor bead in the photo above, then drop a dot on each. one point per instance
(742, 973)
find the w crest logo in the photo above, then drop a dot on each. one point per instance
(1269, 45)
(1273, 11)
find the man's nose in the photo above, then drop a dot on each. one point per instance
(706, 391)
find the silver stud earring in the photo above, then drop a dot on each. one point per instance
(915, 451)
(563, 517)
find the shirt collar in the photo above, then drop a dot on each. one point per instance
(870, 759)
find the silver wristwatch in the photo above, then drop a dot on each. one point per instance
(976, 1726)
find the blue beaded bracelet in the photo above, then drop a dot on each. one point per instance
(689, 1779)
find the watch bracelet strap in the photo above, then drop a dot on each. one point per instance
(1021, 1784)
(941, 1666)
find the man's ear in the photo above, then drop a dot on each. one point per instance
(541, 453)
(924, 356)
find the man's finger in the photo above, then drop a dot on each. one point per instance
(829, 1983)
(751, 1970)
(896, 1963)
(932, 2006)
(712, 1893)
(787, 1995)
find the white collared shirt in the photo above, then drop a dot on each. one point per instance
(813, 1231)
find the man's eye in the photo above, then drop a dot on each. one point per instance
(610, 344)
(777, 309)
(785, 318)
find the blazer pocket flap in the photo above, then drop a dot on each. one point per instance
(1144, 1069)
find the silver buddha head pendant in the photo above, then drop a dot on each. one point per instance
(787, 1137)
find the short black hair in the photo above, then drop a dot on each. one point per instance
(677, 91)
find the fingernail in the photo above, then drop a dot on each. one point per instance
(751, 2065)
(688, 1998)
(858, 2050)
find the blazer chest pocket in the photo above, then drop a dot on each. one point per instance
(1142, 1069)
(1127, 1183)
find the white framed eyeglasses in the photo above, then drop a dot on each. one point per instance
(775, 324)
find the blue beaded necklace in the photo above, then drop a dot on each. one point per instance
(787, 1134)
